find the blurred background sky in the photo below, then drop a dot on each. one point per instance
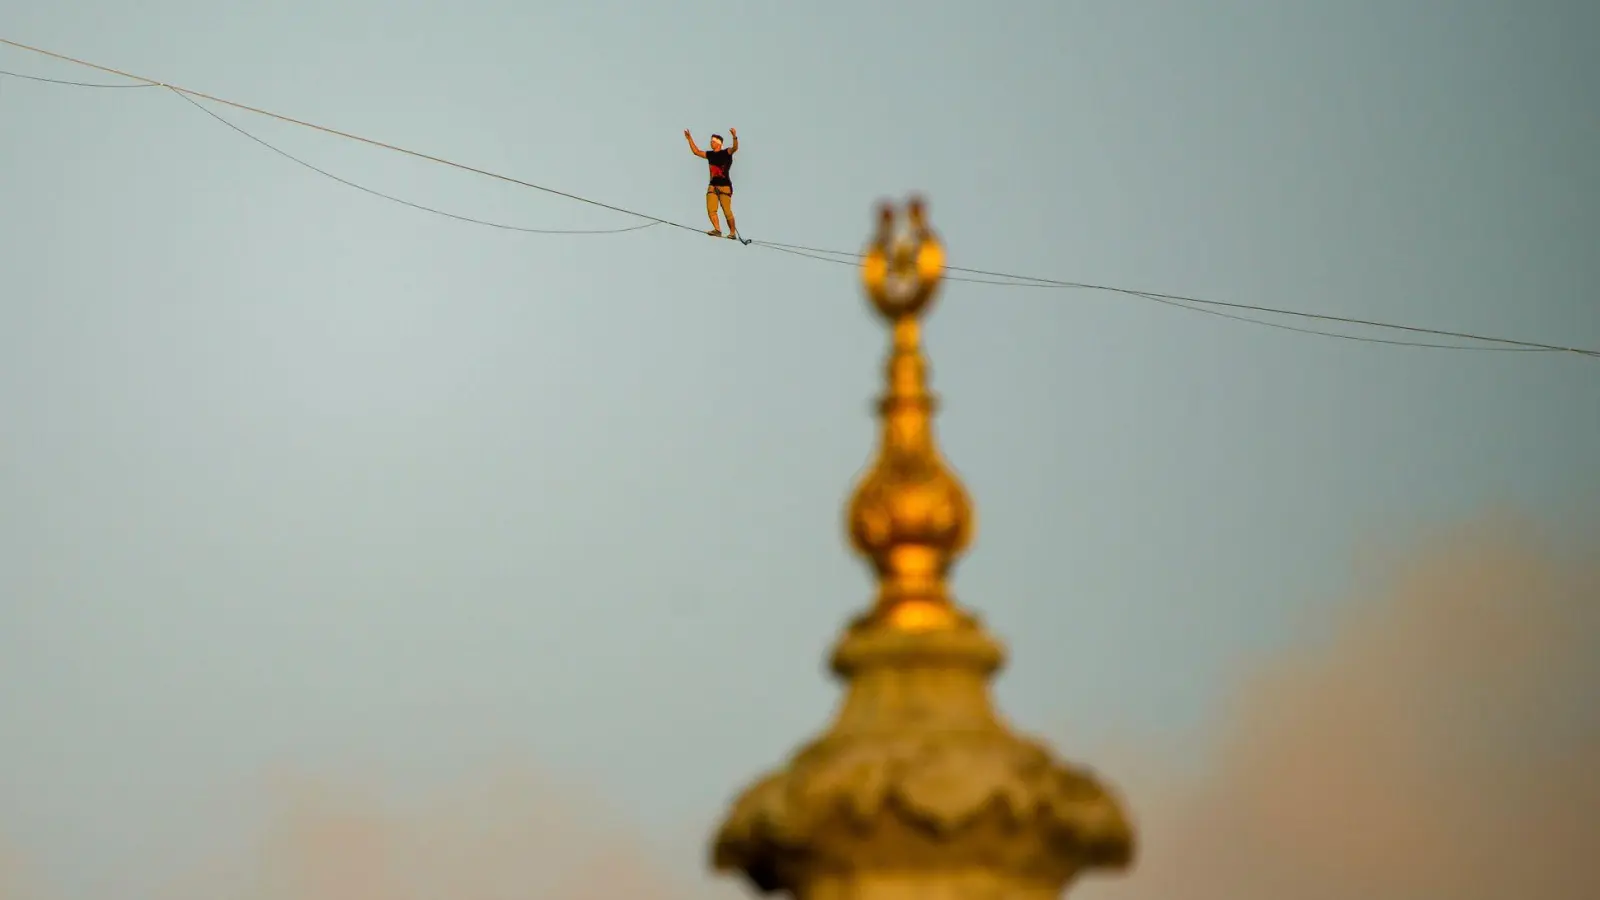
(294, 479)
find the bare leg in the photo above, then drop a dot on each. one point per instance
(727, 209)
(711, 212)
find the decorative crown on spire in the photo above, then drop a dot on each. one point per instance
(918, 787)
(910, 516)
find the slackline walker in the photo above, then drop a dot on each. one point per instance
(720, 191)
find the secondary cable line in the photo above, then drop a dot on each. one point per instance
(86, 84)
(295, 159)
(1029, 281)
(1011, 280)
(337, 133)
(1156, 298)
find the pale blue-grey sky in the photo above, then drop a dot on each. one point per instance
(294, 476)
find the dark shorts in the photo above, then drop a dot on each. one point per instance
(719, 183)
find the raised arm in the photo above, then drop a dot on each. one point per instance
(692, 148)
(734, 133)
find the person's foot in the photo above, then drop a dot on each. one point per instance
(715, 232)
(733, 235)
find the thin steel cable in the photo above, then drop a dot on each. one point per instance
(1029, 281)
(1212, 312)
(1346, 337)
(1014, 279)
(86, 84)
(343, 134)
(449, 215)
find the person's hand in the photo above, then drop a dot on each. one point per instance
(686, 133)
(733, 132)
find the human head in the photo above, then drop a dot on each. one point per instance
(716, 142)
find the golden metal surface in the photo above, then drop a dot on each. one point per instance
(910, 516)
(918, 788)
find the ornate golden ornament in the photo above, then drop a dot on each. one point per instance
(918, 788)
(910, 516)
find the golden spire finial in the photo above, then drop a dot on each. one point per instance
(910, 516)
(918, 787)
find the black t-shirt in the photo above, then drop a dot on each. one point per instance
(721, 162)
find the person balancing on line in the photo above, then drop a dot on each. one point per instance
(720, 191)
